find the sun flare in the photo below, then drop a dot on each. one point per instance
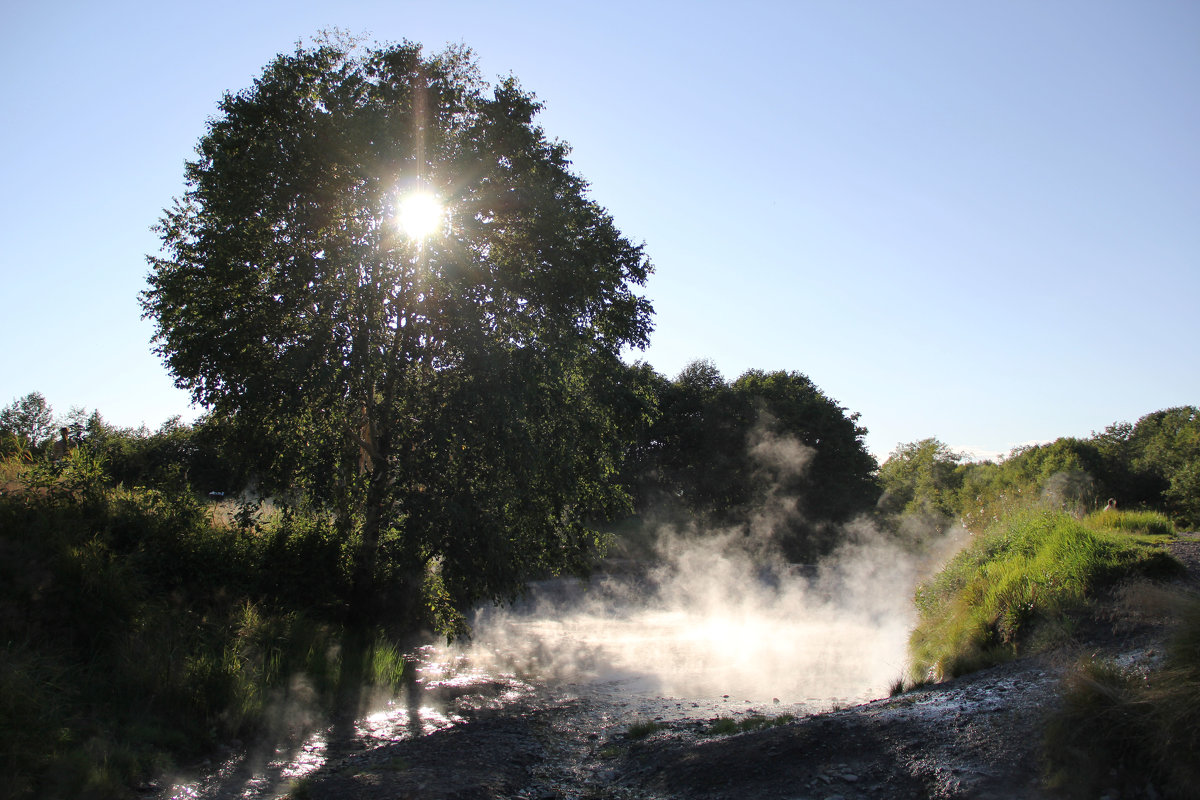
(419, 214)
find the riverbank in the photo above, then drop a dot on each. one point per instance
(979, 736)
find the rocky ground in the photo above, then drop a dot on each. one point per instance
(974, 737)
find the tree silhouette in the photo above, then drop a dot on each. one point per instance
(454, 399)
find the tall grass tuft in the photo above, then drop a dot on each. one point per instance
(1014, 587)
(1147, 523)
(725, 726)
(1120, 730)
(640, 729)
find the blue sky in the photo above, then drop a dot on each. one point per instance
(975, 221)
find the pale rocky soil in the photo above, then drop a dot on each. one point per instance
(974, 737)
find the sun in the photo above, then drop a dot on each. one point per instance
(419, 214)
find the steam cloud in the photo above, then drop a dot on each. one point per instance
(721, 614)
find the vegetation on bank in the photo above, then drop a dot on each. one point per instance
(1038, 553)
(1014, 588)
(140, 628)
(727, 726)
(152, 608)
(142, 624)
(1021, 586)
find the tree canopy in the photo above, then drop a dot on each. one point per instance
(921, 478)
(1155, 461)
(1151, 464)
(30, 418)
(457, 398)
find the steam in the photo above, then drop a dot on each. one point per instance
(721, 614)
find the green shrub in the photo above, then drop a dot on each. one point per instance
(723, 726)
(1015, 586)
(35, 705)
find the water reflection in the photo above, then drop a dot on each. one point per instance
(446, 690)
(307, 759)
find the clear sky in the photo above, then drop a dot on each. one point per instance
(975, 221)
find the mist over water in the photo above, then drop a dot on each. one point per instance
(718, 613)
(712, 620)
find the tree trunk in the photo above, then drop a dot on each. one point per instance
(400, 600)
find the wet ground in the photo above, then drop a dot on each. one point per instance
(481, 737)
(499, 728)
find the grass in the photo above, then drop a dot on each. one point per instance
(1017, 589)
(1145, 523)
(1120, 730)
(723, 726)
(727, 726)
(904, 684)
(1014, 588)
(642, 728)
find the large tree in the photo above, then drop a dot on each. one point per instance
(456, 398)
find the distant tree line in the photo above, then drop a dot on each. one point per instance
(210, 455)
(1153, 463)
(711, 452)
(699, 450)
